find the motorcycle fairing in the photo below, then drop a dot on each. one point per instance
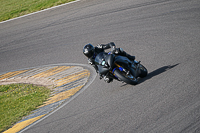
(123, 60)
(104, 62)
(127, 62)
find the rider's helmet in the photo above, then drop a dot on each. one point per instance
(88, 50)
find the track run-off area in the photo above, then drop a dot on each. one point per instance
(162, 34)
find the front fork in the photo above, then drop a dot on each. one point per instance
(136, 67)
(120, 68)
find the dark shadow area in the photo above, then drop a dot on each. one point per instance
(157, 72)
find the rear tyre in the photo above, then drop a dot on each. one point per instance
(129, 79)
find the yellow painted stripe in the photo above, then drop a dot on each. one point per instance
(52, 71)
(72, 77)
(21, 125)
(62, 96)
(11, 74)
(58, 97)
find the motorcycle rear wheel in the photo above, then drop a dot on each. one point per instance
(122, 76)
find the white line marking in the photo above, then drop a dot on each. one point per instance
(38, 11)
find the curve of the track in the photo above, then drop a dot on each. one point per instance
(163, 34)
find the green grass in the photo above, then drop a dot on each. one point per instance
(15, 8)
(18, 100)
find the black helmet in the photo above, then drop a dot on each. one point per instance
(88, 50)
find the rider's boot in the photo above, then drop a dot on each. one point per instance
(123, 53)
(130, 57)
(107, 79)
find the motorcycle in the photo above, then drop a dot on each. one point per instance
(120, 68)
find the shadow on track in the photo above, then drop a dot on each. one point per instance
(157, 72)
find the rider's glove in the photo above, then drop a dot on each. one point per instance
(99, 46)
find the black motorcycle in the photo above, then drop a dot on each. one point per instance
(120, 68)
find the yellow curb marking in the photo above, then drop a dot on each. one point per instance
(73, 77)
(52, 71)
(62, 96)
(11, 74)
(21, 125)
(58, 97)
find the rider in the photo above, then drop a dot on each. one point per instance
(91, 52)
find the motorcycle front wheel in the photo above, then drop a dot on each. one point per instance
(128, 78)
(143, 71)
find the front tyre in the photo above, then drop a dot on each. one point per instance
(128, 78)
(143, 71)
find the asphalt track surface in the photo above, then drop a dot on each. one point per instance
(163, 34)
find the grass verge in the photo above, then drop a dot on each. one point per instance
(15, 8)
(18, 100)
